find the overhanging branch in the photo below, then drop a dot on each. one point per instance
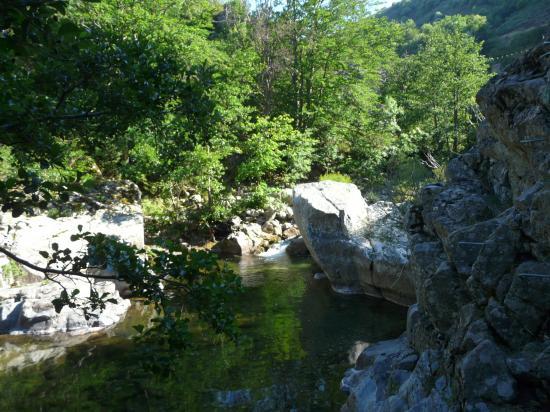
(46, 271)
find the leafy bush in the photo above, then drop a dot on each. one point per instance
(7, 163)
(275, 153)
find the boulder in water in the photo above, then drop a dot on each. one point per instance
(362, 248)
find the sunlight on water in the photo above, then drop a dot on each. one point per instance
(298, 339)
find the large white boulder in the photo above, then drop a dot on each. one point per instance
(29, 308)
(362, 248)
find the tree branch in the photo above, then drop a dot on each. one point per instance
(48, 271)
(51, 270)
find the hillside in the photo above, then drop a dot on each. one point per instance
(513, 25)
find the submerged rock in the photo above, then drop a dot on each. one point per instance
(362, 248)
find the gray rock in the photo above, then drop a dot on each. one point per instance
(236, 244)
(297, 247)
(27, 309)
(250, 239)
(480, 249)
(440, 296)
(486, 376)
(319, 276)
(273, 227)
(361, 248)
(291, 232)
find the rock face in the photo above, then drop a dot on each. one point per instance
(28, 308)
(481, 265)
(362, 248)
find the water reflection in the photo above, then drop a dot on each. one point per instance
(297, 333)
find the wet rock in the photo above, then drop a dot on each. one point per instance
(297, 247)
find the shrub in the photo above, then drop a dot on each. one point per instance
(336, 177)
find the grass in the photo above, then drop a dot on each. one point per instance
(403, 183)
(336, 177)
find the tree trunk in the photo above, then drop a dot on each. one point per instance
(455, 124)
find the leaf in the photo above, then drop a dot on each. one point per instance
(55, 246)
(139, 328)
(22, 173)
(58, 304)
(44, 254)
(79, 228)
(112, 300)
(69, 29)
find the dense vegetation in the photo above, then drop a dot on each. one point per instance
(513, 25)
(198, 97)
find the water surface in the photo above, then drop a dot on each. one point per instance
(296, 337)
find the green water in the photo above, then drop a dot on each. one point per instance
(297, 333)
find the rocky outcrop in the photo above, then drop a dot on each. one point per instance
(28, 308)
(478, 338)
(362, 248)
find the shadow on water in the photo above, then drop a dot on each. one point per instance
(297, 333)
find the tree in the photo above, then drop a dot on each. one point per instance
(95, 78)
(437, 86)
(322, 64)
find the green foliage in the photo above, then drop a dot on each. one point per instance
(335, 177)
(408, 178)
(7, 163)
(12, 270)
(210, 107)
(436, 87)
(154, 275)
(275, 153)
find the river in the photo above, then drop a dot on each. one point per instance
(296, 335)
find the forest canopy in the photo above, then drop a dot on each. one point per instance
(225, 101)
